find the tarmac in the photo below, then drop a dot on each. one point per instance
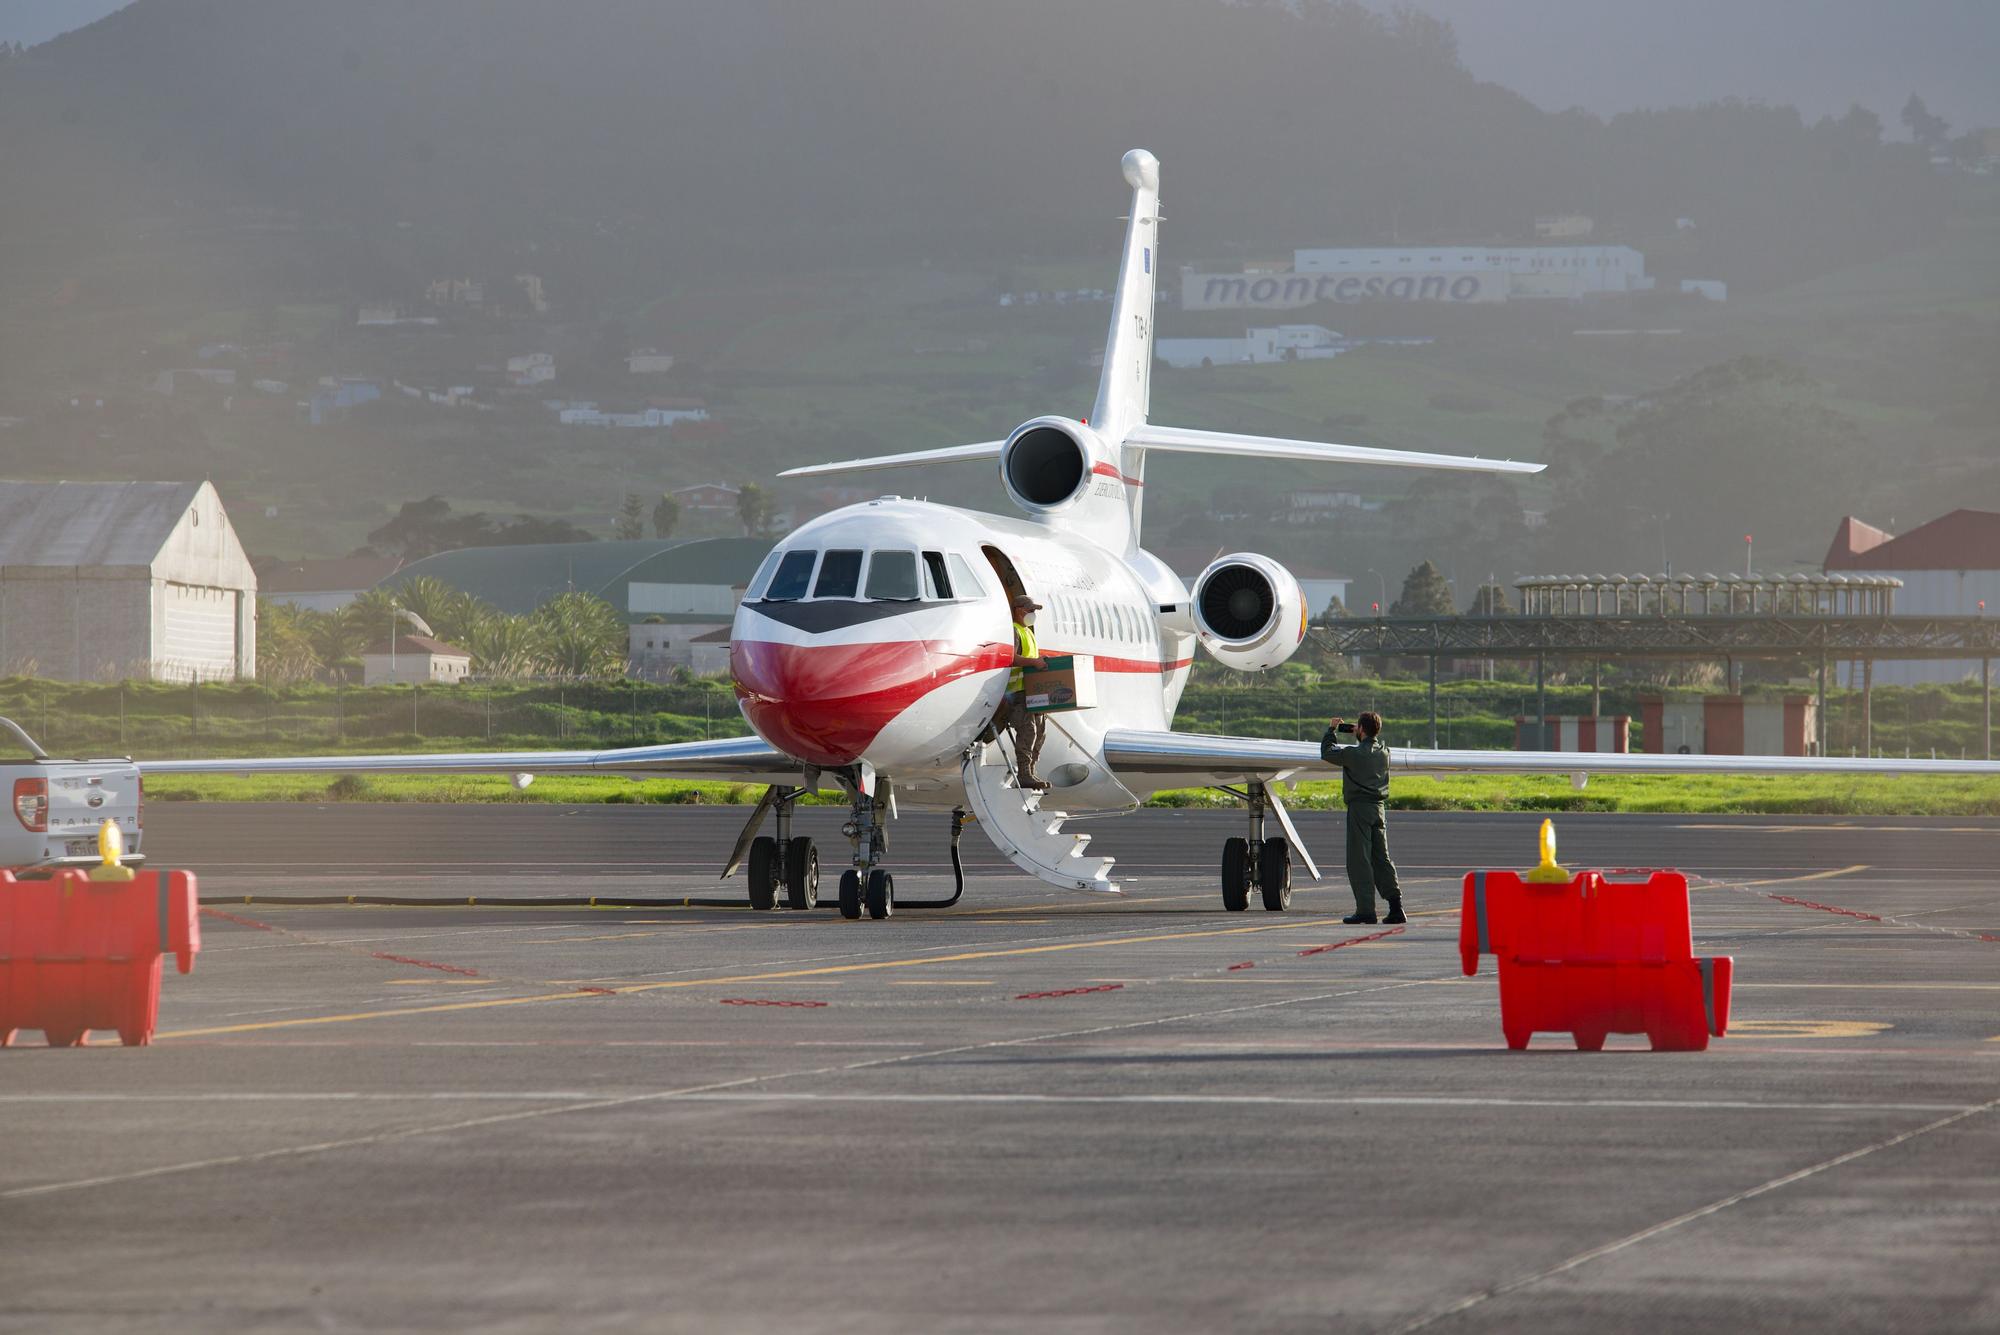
(1032, 1112)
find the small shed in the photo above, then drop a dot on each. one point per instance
(414, 660)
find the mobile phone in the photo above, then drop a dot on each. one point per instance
(1345, 727)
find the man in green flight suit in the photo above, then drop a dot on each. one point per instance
(1364, 786)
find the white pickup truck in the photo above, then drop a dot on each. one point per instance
(57, 806)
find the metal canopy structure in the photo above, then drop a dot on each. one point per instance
(1829, 639)
(1858, 638)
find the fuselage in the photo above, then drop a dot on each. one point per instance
(880, 634)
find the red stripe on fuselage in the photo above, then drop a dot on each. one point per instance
(1111, 470)
(824, 703)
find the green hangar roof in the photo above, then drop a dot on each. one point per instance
(521, 578)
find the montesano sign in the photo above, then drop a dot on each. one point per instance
(1289, 291)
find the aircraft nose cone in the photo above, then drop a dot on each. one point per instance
(825, 703)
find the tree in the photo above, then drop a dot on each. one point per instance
(339, 636)
(504, 646)
(284, 645)
(1490, 601)
(1425, 594)
(666, 515)
(631, 518)
(754, 507)
(582, 636)
(1926, 129)
(422, 528)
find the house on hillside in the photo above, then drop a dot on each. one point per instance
(106, 580)
(648, 361)
(1949, 567)
(414, 660)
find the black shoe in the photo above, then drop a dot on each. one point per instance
(1357, 920)
(1395, 914)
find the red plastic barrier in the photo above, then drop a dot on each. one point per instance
(1594, 957)
(78, 954)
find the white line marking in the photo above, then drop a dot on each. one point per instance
(1164, 1100)
(1633, 1239)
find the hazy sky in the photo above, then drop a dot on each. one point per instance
(1613, 55)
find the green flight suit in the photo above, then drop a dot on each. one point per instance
(1364, 786)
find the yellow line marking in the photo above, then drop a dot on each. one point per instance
(941, 982)
(1245, 978)
(782, 975)
(616, 936)
(1811, 876)
(444, 982)
(1879, 987)
(1807, 1028)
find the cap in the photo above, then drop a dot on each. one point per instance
(1023, 600)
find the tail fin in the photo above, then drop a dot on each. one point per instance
(1125, 388)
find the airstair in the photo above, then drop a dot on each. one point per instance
(1027, 835)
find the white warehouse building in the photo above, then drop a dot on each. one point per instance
(105, 580)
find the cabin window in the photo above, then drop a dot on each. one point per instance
(892, 577)
(937, 580)
(964, 580)
(793, 578)
(839, 575)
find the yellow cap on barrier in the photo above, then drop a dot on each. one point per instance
(1547, 872)
(111, 848)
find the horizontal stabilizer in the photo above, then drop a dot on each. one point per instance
(1177, 440)
(988, 449)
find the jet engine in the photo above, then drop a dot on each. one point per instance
(1047, 463)
(1249, 612)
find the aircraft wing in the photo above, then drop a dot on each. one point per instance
(1178, 758)
(730, 759)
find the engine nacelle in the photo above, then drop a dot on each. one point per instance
(1249, 612)
(1046, 465)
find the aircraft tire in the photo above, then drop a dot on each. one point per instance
(850, 894)
(764, 869)
(801, 873)
(881, 894)
(1236, 874)
(1274, 875)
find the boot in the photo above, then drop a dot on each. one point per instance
(1030, 781)
(1395, 912)
(1358, 919)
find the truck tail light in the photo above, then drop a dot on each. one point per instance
(31, 804)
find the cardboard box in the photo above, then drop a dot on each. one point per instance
(1063, 682)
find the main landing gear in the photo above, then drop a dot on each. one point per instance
(791, 863)
(787, 860)
(1256, 863)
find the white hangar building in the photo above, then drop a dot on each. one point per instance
(106, 580)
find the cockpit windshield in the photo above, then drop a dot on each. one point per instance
(794, 577)
(891, 575)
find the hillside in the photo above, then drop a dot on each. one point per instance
(813, 206)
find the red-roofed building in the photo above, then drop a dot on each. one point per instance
(1948, 567)
(415, 660)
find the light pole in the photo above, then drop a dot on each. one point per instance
(1381, 588)
(397, 613)
(1749, 563)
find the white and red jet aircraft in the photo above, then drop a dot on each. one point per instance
(873, 646)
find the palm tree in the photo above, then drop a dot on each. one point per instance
(504, 646)
(583, 636)
(285, 652)
(339, 637)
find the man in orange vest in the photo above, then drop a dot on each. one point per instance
(1028, 728)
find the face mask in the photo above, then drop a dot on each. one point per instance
(1028, 620)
